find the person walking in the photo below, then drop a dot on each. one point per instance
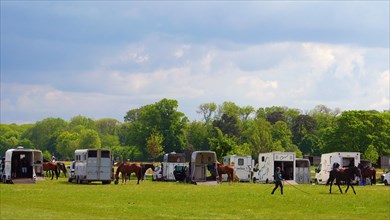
(278, 180)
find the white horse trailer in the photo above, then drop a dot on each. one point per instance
(93, 165)
(22, 165)
(343, 159)
(243, 166)
(268, 163)
(302, 171)
(203, 167)
(170, 161)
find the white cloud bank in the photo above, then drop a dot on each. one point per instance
(292, 74)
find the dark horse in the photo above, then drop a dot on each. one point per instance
(51, 167)
(225, 169)
(61, 167)
(368, 172)
(126, 169)
(343, 174)
(145, 167)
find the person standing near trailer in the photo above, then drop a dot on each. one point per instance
(278, 180)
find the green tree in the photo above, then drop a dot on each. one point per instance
(197, 136)
(228, 108)
(154, 145)
(207, 110)
(311, 145)
(86, 122)
(67, 143)
(228, 124)
(124, 153)
(44, 133)
(356, 130)
(303, 125)
(245, 112)
(280, 132)
(161, 117)
(371, 154)
(258, 135)
(89, 139)
(222, 144)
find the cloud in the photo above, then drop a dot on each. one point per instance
(294, 74)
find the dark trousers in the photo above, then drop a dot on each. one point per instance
(277, 184)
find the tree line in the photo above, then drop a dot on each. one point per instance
(152, 130)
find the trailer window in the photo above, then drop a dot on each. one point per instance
(240, 162)
(92, 153)
(262, 159)
(105, 154)
(348, 161)
(301, 164)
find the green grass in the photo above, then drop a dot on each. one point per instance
(51, 199)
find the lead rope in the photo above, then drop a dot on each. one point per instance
(296, 187)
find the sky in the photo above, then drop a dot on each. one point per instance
(100, 59)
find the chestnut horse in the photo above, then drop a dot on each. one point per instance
(127, 169)
(368, 172)
(225, 169)
(343, 174)
(51, 167)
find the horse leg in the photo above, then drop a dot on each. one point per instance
(52, 175)
(139, 176)
(338, 184)
(57, 174)
(347, 187)
(352, 187)
(331, 183)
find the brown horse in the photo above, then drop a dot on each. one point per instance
(343, 174)
(225, 169)
(126, 169)
(368, 172)
(51, 167)
(61, 167)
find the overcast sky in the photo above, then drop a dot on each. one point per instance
(101, 59)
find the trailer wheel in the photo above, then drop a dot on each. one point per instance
(386, 183)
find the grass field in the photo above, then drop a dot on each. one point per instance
(51, 199)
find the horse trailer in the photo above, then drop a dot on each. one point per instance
(203, 167)
(22, 165)
(302, 171)
(329, 160)
(93, 165)
(268, 163)
(170, 161)
(243, 166)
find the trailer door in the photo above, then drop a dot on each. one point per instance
(92, 165)
(105, 165)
